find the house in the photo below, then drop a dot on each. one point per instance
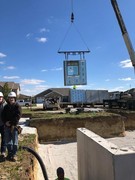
(12, 85)
(63, 93)
(25, 97)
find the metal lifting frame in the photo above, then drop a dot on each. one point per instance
(81, 53)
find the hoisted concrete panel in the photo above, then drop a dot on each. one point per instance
(75, 72)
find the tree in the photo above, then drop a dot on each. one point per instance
(6, 90)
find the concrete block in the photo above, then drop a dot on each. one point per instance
(99, 159)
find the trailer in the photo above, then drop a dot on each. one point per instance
(77, 98)
(96, 96)
(84, 98)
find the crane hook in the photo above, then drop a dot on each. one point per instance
(72, 17)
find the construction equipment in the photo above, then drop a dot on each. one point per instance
(51, 103)
(124, 31)
(120, 100)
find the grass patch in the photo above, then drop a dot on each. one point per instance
(59, 116)
(23, 168)
(45, 115)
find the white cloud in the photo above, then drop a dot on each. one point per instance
(29, 92)
(57, 69)
(42, 39)
(50, 19)
(119, 88)
(29, 35)
(41, 87)
(42, 30)
(2, 62)
(10, 67)
(126, 79)
(107, 80)
(11, 77)
(32, 81)
(33, 91)
(2, 55)
(53, 69)
(126, 64)
(44, 70)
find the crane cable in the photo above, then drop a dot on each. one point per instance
(72, 14)
(72, 23)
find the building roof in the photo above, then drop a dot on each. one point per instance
(43, 93)
(53, 94)
(62, 91)
(22, 96)
(11, 85)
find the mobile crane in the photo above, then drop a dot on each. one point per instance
(124, 32)
(120, 100)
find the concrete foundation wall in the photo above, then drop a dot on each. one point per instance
(99, 159)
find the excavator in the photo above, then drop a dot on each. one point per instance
(124, 32)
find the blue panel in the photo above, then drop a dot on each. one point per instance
(75, 72)
(77, 96)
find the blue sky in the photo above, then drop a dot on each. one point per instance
(32, 31)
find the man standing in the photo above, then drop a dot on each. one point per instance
(3, 146)
(10, 117)
(61, 174)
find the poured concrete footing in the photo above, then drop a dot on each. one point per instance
(99, 159)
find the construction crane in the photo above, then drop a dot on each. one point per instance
(124, 32)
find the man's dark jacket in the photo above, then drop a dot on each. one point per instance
(12, 113)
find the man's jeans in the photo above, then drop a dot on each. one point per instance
(3, 145)
(11, 139)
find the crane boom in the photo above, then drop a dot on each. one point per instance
(124, 31)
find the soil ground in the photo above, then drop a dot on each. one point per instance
(59, 155)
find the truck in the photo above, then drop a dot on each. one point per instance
(88, 97)
(77, 98)
(51, 103)
(120, 100)
(22, 102)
